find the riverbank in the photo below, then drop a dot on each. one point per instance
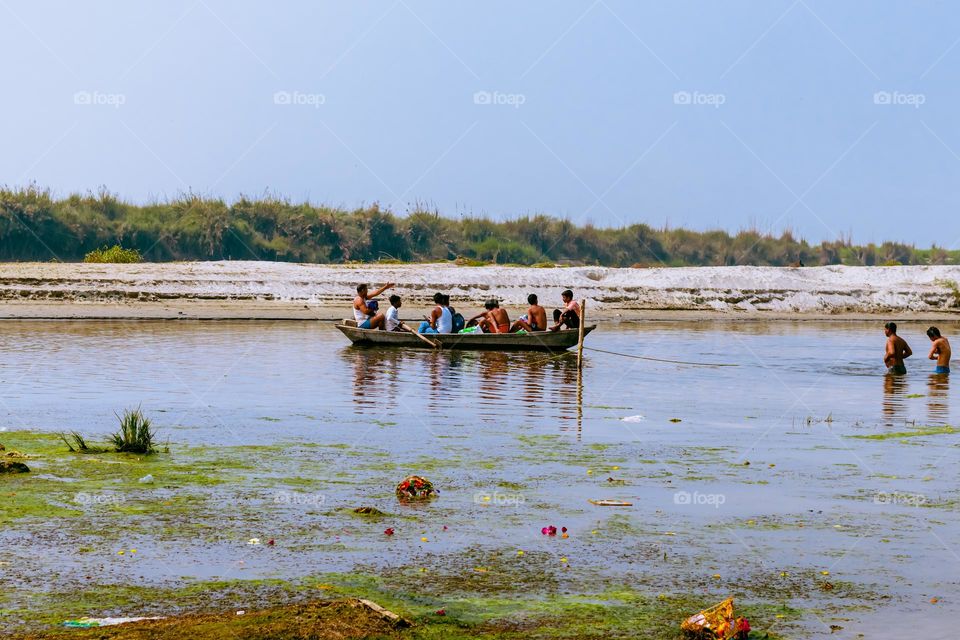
(275, 290)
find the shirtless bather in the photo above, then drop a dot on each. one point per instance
(493, 319)
(897, 350)
(534, 320)
(939, 350)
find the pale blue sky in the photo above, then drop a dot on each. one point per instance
(591, 126)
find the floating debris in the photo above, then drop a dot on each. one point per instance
(415, 488)
(611, 503)
(87, 623)
(719, 621)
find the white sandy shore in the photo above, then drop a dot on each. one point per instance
(285, 290)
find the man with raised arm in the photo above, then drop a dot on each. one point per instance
(367, 315)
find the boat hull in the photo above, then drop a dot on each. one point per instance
(539, 341)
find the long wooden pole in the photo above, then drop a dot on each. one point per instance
(435, 345)
(583, 322)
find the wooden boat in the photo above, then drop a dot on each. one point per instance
(539, 341)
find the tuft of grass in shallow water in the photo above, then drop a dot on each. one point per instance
(76, 443)
(896, 435)
(135, 434)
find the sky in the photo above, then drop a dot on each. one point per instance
(830, 119)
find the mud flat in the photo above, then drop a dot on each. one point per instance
(274, 290)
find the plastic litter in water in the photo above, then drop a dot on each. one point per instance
(86, 623)
(147, 479)
(636, 418)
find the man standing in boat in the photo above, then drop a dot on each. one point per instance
(367, 315)
(570, 316)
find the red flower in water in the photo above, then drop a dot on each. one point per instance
(441, 612)
(563, 529)
(270, 542)
(388, 531)
(549, 531)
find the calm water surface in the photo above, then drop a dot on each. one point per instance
(814, 497)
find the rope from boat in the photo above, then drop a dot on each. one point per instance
(692, 364)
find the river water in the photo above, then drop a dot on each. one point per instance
(776, 464)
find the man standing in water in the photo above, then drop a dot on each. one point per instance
(897, 350)
(939, 350)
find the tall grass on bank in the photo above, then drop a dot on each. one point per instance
(34, 225)
(135, 435)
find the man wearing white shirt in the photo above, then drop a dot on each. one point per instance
(393, 314)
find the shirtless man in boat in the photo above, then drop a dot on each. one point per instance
(366, 317)
(897, 350)
(939, 350)
(535, 318)
(570, 316)
(493, 319)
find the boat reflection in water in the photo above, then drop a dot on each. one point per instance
(466, 386)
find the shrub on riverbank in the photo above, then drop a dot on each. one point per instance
(115, 254)
(37, 226)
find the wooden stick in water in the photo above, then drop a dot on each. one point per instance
(583, 323)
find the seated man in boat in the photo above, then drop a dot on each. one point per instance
(493, 319)
(458, 321)
(367, 316)
(534, 320)
(440, 319)
(570, 316)
(392, 322)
